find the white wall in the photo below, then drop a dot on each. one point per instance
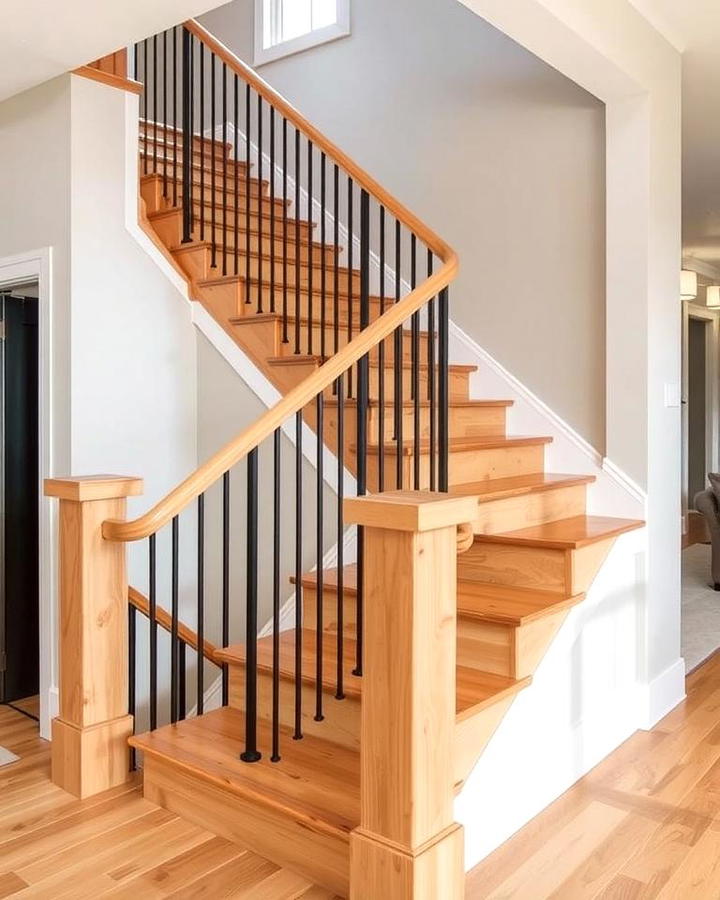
(496, 151)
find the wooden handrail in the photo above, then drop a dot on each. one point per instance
(359, 175)
(300, 396)
(164, 619)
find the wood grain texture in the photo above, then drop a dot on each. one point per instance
(115, 844)
(643, 824)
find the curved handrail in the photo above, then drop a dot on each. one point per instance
(299, 397)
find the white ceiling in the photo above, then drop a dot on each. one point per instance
(694, 27)
(41, 39)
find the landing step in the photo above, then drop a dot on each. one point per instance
(318, 781)
(509, 605)
(459, 444)
(299, 811)
(564, 534)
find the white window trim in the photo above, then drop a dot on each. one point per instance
(313, 39)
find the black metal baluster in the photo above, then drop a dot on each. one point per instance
(276, 598)
(297, 241)
(155, 100)
(236, 214)
(349, 287)
(272, 209)
(362, 407)
(224, 169)
(432, 392)
(175, 610)
(415, 337)
(340, 392)
(226, 582)
(165, 115)
(336, 261)
(202, 141)
(298, 575)
(152, 604)
(443, 390)
(260, 267)
(213, 166)
(320, 574)
(310, 243)
(285, 338)
(398, 366)
(201, 605)
(175, 115)
(251, 754)
(311, 255)
(146, 121)
(381, 363)
(132, 674)
(187, 138)
(248, 237)
(182, 681)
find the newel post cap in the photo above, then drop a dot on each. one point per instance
(93, 487)
(410, 510)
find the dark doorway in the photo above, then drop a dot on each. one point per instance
(697, 406)
(19, 629)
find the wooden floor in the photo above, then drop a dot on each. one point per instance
(115, 845)
(645, 823)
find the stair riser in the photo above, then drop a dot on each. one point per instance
(170, 169)
(511, 650)
(197, 260)
(462, 422)
(199, 157)
(330, 611)
(153, 192)
(151, 132)
(320, 854)
(568, 571)
(465, 466)
(237, 294)
(341, 724)
(525, 510)
(169, 228)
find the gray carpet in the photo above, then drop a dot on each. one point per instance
(700, 607)
(6, 757)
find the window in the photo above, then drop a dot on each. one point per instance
(283, 27)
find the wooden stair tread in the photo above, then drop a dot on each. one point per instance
(565, 534)
(235, 655)
(410, 404)
(509, 605)
(496, 488)
(330, 579)
(306, 359)
(316, 320)
(477, 690)
(316, 780)
(480, 442)
(218, 280)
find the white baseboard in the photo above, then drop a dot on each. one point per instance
(662, 694)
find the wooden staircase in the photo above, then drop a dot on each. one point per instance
(534, 555)
(464, 591)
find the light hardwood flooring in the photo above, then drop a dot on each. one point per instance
(117, 844)
(644, 824)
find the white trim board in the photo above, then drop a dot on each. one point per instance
(36, 265)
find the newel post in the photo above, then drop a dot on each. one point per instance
(408, 846)
(89, 737)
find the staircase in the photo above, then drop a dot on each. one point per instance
(402, 421)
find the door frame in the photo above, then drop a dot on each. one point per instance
(712, 394)
(36, 266)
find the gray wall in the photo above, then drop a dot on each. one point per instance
(499, 153)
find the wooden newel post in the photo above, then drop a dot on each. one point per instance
(89, 738)
(408, 846)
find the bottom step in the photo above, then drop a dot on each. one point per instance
(298, 812)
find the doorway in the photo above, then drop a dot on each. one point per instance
(19, 495)
(697, 405)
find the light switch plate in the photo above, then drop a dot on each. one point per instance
(672, 395)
